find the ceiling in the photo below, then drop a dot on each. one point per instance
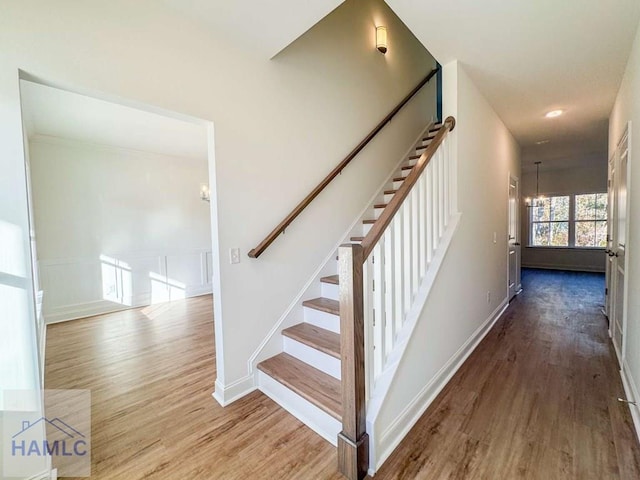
(53, 112)
(265, 27)
(529, 57)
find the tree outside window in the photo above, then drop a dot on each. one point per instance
(569, 221)
(591, 220)
(550, 222)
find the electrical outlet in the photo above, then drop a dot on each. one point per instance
(488, 297)
(234, 255)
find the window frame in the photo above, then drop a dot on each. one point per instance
(572, 222)
(549, 222)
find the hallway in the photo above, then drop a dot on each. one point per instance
(537, 399)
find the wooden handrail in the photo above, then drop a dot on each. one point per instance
(353, 440)
(262, 246)
(377, 230)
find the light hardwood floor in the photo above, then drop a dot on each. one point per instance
(537, 399)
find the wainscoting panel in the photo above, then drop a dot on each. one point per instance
(80, 287)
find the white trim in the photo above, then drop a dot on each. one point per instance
(631, 391)
(571, 268)
(287, 319)
(627, 216)
(102, 307)
(44, 475)
(227, 394)
(396, 432)
(313, 417)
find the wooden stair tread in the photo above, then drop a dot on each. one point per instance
(315, 337)
(380, 205)
(323, 304)
(368, 222)
(428, 139)
(422, 147)
(390, 192)
(414, 157)
(409, 167)
(333, 279)
(399, 179)
(357, 239)
(317, 387)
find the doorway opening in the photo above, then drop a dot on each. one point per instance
(116, 204)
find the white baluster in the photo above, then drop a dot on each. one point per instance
(429, 211)
(406, 264)
(422, 223)
(447, 204)
(434, 204)
(389, 289)
(398, 242)
(441, 191)
(415, 240)
(369, 336)
(378, 306)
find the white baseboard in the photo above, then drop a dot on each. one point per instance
(316, 419)
(631, 390)
(569, 268)
(45, 475)
(395, 433)
(101, 307)
(227, 394)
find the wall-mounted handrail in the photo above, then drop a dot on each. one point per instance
(269, 239)
(378, 228)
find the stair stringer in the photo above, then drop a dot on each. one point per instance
(384, 382)
(272, 344)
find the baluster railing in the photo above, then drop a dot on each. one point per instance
(378, 281)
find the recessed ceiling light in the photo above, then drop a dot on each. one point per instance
(554, 113)
(542, 142)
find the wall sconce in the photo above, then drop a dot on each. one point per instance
(381, 39)
(205, 193)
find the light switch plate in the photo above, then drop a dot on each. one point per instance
(234, 255)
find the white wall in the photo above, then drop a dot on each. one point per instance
(587, 179)
(627, 108)
(457, 312)
(280, 126)
(117, 227)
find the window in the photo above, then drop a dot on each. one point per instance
(569, 221)
(591, 220)
(550, 222)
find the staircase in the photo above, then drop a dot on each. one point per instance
(305, 377)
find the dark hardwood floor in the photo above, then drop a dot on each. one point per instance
(537, 399)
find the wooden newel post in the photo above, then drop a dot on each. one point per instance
(353, 441)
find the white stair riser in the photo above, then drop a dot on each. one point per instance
(388, 197)
(317, 420)
(325, 320)
(365, 228)
(329, 290)
(404, 173)
(309, 355)
(396, 185)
